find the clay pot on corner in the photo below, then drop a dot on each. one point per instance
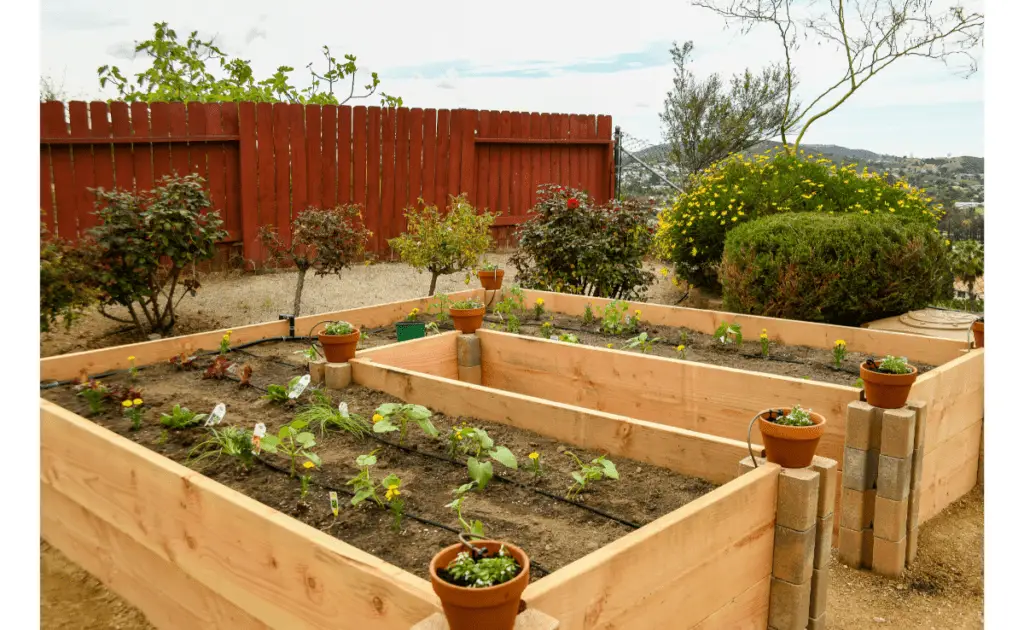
(492, 607)
(467, 320)
(787, 446)
(491, 280)
(339, 348)
(978, 328)
(887, 391)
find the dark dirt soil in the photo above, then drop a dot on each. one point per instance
(554, 532)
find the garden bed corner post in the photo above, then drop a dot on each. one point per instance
(468, 355)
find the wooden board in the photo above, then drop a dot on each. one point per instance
(706, 398)
(434, 355)
(675, 572)
(930, 350)
(955, 395)
(746, 611)
(950, 471)
(280, 571)
(686, 452)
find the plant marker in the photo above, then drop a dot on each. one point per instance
(216, 415)
(299, 387)
(334, 503)
(257, 434)
(343, 409)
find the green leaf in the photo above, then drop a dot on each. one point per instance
(477, 529)
(269, 443)
(578, 477)
(390, 480)
(485, 440)
(609, 469)
(384, 426)
(505, 457)
(361, 496)
(388, 408)
(313, 457)
(299, 425)
(366, 460)
(418, 412)
(480, 472)
(427, 427)
(306, 439)
(464, 488)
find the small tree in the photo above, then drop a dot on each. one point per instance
(324, 240)
(65, 281)
(968, 261)
(146, 243)
(444, 243)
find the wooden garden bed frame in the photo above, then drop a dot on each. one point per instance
(190, 552)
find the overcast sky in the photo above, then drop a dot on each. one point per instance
(547, 56)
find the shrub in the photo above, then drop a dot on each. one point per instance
(739, 189)
(147, 245)
(444, 243)
(325, 240)
(840, 269)
(575, 246)
(968, 260)
(65, 281)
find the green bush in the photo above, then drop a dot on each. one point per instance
(840, 269)
(65, 281)
(575, 246)
(739, 189)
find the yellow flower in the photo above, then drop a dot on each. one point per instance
(840, 343)
(377, 418)
(540, 301)
(126, 403)
(734, 218)
(637, 312)
(131, 358)
(764, 335)
(392, 492)
(611, 345)
(534, 455)
(663, 272)
(414, 311)
(680, 348)
(308, 464)
(137, 401)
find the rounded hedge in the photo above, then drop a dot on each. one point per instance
(740, 188)
(840, 269)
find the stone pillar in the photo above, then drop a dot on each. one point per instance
(337, 375)
(892, 499)
(827, 470)
(914, 509)
(316, 372)
(860, 473)
(467, 351)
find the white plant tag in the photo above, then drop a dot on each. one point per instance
(233, 368)
(259, 430)
(299, 387)
(216, 415)
(334, 502)
(343, 409)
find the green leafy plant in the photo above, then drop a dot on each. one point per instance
(279, 393)
(439, 307)
(324, 240)
(472, 527)
(392, 497)
(66, 286)
(538, 308)
(568, 338)
(573, 245)
(292, 442)
(132, 410)
(230, 441)
(309, 354)
(727, 333)
(432, 328)
(94, 393)
(489, 267)
(181, 418)
(546, 330)
(477, 444)
(614, 320)
(363, 484)
(388, 414)
(764, 342)
(466, 304)
(146, 247)
(444, 242)
(533, 464)
(797, 417)
(413, 315)
(339, 328)
(641, 341)
(681, 351)
(838, 352)
(470, 572)
(225, 343)
(596, 470)
(509, 308)
(588, 315)
(967, 259)
(893, 365)
(304, 481)
(323, 414)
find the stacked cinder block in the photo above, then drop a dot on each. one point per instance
(882, 463)
(467, 350)
(316, 372)
(337, 375)
(803, 526)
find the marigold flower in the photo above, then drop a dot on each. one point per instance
(377, 418)
(611, 345)
(126, 403)
(131, 358)
(664, 272)
(680, 348)
(308, 464)
(392, 492)
(137, 401)
(540, 301)
(534, 455)
(840, 343)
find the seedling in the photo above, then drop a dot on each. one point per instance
(568, 338)
(413, 314)
(133, 370)
(363, 484)
(94, 393)
(475, 528)
(281, 393)
(796, 417)
(641, 341)
(634, 321)
(304, 480)
(859, 383)
(893, 365)
(225, 343)
(475, 442)
(339, 328)
(181, 418)
(470, 572)
(764, 342)
(309, 354)
(432, 328)
(538, 308)
(681, 351)
(729, 333)
(246, 376)
(323, 414)
(596, 470)
(292, 442)
(396, 505)
(614, 320)
(464, 305)
(230, 441)
(533, 465)
(838, 352)
(389, 413)
(439, 307)
(508, 307)
(183, 361)
(547, 329)
(218, 369)
(133, 411)
(588, 315)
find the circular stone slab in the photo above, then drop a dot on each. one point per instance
(934, 319)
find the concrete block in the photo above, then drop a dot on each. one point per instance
(819, 592)
(746, 465)
(855, 546)
(529, 619)
(863, 426)
(798, 498)
(858, 509)
(337, 375)
(898, 432)
(818, 623)
(921, 423)
(828, 473)
(467, 350)
(889, 558)
(913, 508)
(793, 557)
(823, 541)
(788, 605)
(916, 467)
(890, 521)
(894, 477)
(316, 372)
(860, 468)
(912, 538)
(470, 374)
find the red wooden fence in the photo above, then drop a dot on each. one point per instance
(264, 162)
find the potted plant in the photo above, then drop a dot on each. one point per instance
(978, 328)
(410, 328)
(791, 435)
(887, 384)
(480, 584)
(339, 340)
(490, 276)
(467, 315)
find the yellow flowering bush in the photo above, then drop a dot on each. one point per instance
(691, 234)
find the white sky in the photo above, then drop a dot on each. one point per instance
(573, 57)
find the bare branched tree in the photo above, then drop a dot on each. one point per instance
(872, 34)
(705, 121)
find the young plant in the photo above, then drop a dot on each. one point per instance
(181, 418)
(633, 321)
(309, 354)
(509, 308)
(133, 370)
(838, 352)
(225, 343)
(729, 333)
(183, 361)
(641, 341)
(546, 330)
(389, 413)
(363, 484)
(245, 376)
(133, 411)
(218, 369)
(470, 572)
(94, 393)
(613, 318)
(588, 315)
(534, 464)
(596, 470)
(339, 328)
(323, 414)
(439, 307)
(681, 351)
(463, 305)
(475, 442)
(893, 365)
(396, 505)
(764, 342)
(280, 393)
(413, 315)
(797, 417)
(292, 442)
(475, 528)
(538, 308)
(230, 441)
(432, 328)
(304, 480)
(568, 338)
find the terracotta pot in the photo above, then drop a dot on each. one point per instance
(339, 348)
(887, 391)
(978, 328)
(492, 607)
(790, 447)
(467, 320)
(491, 280)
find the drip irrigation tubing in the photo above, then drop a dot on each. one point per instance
(415, 517)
